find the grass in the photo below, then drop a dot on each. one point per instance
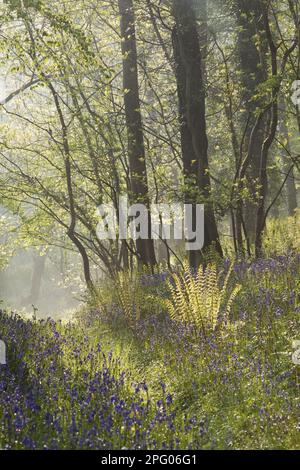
(106, 381)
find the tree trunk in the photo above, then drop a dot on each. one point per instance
(136, 148)
(252, 50)
(194, 143)
(291, 191)
(36, 279)
(73, 216)
(272, 129)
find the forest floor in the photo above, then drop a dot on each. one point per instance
(97, 382)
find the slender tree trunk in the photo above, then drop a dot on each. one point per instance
(263, 173)
(291, 191)
(73, 216)
(136, 148)
(39, 263)
(192, 107)
(252, 50)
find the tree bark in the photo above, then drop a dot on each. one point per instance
(73, 216)
(136, 148)
(39, 262)
(192, 109)
(252, 50)
(263, 173)
(291, 191)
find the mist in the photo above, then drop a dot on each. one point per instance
(31, 284)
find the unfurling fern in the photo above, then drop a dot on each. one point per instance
(199, 299)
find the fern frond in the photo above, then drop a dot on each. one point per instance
(198, 299)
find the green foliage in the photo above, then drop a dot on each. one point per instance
(199, 299)
(282, 235)
(127, 296)
(238, 390)
(130, 296)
